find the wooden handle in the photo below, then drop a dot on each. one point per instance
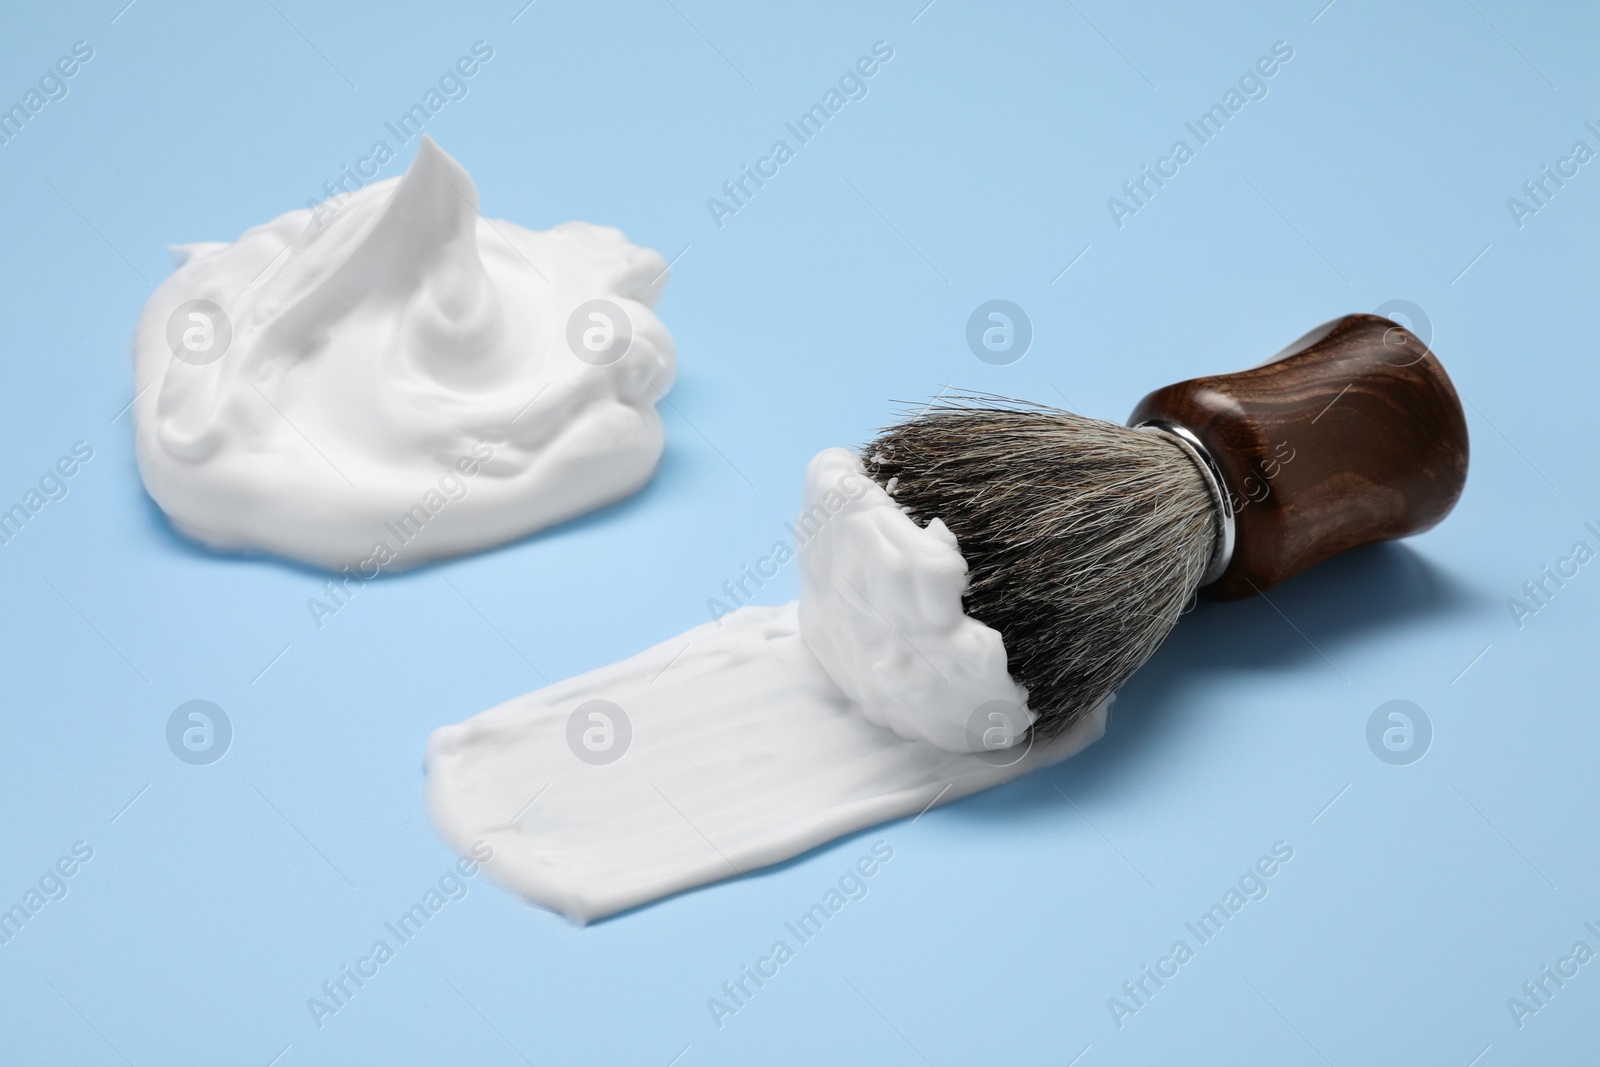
(1352, 434)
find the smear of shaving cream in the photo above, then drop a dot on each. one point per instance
(748, 741)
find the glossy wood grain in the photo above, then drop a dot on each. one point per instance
(1353, 434)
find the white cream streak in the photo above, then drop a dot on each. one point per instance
(345, 372)
(745, 748)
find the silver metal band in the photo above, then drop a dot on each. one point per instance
(1222, 550)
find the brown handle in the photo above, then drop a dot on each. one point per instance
(1352, 434)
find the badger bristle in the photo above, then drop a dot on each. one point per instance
(1084, 540)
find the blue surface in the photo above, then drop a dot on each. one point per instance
(1376, 168)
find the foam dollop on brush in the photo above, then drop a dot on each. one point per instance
(1084, 540)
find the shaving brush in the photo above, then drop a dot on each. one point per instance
(1086, 540)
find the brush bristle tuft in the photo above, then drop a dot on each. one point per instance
(1084, 540)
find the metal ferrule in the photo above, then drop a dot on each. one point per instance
(1222, 549)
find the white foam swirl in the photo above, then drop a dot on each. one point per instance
(383, 351)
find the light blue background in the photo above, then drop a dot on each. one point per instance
(981, 161)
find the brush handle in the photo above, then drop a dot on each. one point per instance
(1353, 434)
